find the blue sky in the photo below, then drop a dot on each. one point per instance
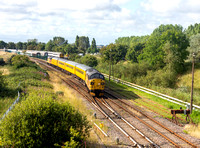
(104, 20)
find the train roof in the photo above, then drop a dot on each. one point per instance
(63, 60)
(84, 67)
(72, 63)
(92, 72)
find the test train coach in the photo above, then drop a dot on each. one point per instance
(93, 79)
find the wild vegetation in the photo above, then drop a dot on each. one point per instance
(39, 119)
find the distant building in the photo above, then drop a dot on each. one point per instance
(100, 46)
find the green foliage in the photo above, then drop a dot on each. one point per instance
(192, 30)
(74, 57)
(113, 52)
(40, 121)
(2, 62)
(10, 59)
(3, 44)
(11, 45)
(164, 40)
(134, 51)
(70, 49)
(93, 48)
(20, 61)
(82, 43)
(132, 41)
(2, 83)
(194, 46)
(19, 45)
(89, 60)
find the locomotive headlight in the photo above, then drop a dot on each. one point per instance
(102, 83)
(92, 83)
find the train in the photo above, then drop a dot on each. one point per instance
(92, 79)
(35, 53)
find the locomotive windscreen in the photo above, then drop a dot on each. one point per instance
(97, 76)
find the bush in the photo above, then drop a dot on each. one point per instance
(88, 60)
(20, 61)
(2, 62)
(43, 122)
(2, 83)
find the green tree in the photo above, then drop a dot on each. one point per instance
(194, 46)
(89, 60)
(69, 49)
(49, 46)
(83, 44)
(134, 51)
(19, 45)
(192, 30)
(11, 45)
(114, 52)
(43, 122)
(155, 54)
(31, 47)
(24, 46)
(3, 44)
(77, 41)
(40, 47)
(93, 48)
(59, 41)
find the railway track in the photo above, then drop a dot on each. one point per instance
(150, 122)
(152, 106)
(110, 109)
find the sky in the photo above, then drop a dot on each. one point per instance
(104, 20)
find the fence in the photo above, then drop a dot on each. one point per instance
(10, 108)
(152, 92)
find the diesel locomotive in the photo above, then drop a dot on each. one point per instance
(93, 79)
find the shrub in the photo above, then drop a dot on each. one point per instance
(2, 62)
(88, 60)
(43, 122)
(2, 83)
(20, 61)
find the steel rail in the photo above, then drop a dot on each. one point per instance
(129, 124)
(155, 122)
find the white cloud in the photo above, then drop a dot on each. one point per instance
(105, 20)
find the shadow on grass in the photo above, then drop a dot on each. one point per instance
(8, 93)
(121, 91)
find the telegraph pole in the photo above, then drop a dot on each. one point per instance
(110, 65)
(191, 102)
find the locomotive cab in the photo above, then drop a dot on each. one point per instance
(96, 83)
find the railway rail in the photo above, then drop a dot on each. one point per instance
(105, 108)
(151, 123)
(163, 111)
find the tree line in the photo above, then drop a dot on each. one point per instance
(154, 59)
(57, 44)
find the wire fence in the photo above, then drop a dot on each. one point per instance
(154, 93)
(11, 107)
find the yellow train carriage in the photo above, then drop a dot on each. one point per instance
(62, 63)
(81, 71)
(71, 67)
(54, 61)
